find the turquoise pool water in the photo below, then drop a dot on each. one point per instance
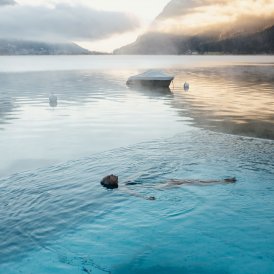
(59, 220)
(55, 216)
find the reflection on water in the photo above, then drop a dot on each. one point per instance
(154, 92)
(53, 104)
(95, 110)
(234, 99)
(7, 107)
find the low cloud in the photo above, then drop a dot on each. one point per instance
(61, 23)
(181, 7)
(7, 2)
(218, 17)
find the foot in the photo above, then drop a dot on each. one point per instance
(230, 180)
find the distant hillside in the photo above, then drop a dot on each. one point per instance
(260, 42)
(161, 43)
(18, 47)
(153, 43)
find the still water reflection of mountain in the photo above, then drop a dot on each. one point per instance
(233, 99)
(97, 112)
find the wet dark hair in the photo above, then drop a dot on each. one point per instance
(110, 181)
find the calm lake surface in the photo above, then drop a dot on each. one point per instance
(55, 217)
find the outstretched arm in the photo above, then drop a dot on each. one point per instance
(136, 194)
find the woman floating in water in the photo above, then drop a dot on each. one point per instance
(111, 182)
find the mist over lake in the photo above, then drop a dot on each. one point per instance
(97, 112)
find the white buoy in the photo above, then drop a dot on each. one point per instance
(52, 100)
(186, 86)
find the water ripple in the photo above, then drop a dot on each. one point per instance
(37, 207)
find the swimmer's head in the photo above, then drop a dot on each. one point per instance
(110, 181)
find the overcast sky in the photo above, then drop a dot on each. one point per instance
(98, 24)
(107, 24)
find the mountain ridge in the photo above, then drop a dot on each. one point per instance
(23, 47)
(255, 43)
(162, 43)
